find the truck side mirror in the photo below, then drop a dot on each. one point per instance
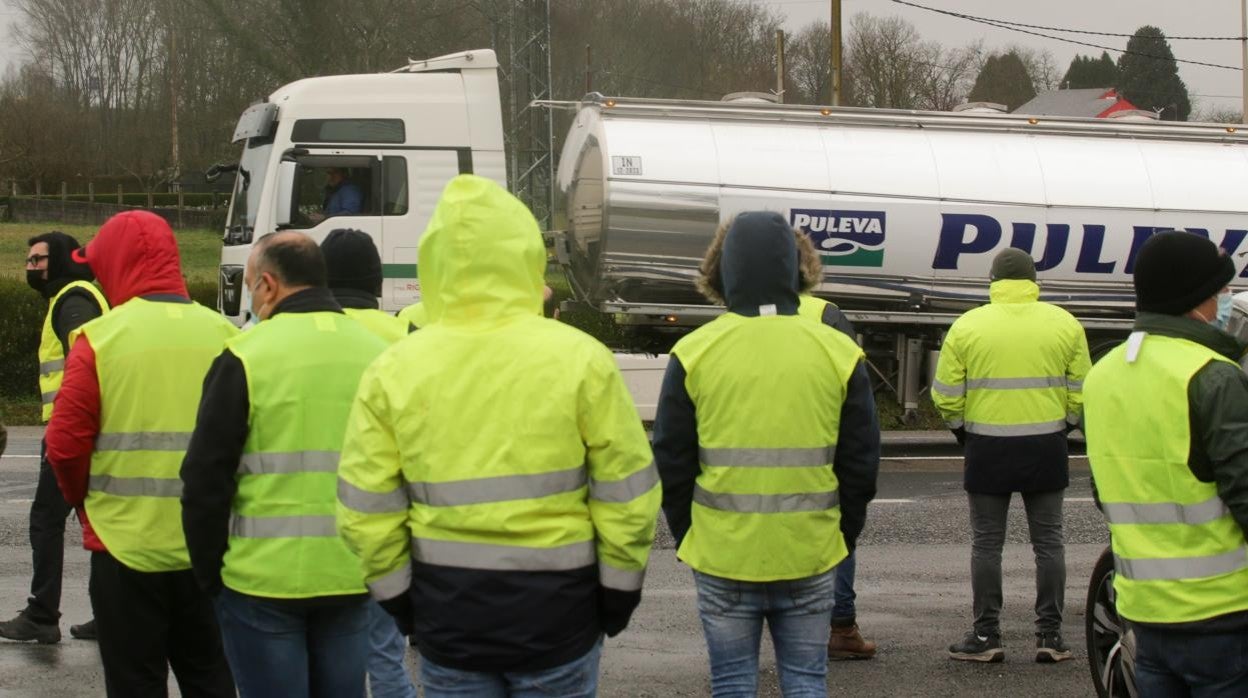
(286, 170)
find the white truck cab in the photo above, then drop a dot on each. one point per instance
(370, 152)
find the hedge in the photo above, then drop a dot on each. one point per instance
(22, 322)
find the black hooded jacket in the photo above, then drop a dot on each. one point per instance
(759, 269)
(76, 307)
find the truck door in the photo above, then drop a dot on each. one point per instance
(412, 182)
(344, 189)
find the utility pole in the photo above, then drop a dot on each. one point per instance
(780, 65)
(589, 72)
(1243, 42)
(836, 53)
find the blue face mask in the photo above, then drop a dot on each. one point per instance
(1225, 302)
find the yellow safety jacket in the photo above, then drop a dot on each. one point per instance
(151, 359)
(283, 538)
(494, 439)
(1179, 555)
(51, 353)
(384, 325)
(1014, 367)
(765, 505)
(812, 308)
(415, 314)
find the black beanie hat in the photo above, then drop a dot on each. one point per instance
(351, 260)
(1177, 271)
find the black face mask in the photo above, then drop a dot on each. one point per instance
(34, 278)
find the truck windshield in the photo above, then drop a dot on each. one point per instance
(248, 185)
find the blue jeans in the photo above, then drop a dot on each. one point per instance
(387, 676)
(1169, 664)
(843, 592)
(798, 614)
(576, 679)
(285, 648)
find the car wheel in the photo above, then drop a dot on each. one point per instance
(1111, 643)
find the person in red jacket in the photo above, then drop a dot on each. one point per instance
(115, 423)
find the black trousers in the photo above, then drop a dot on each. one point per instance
(150, 621)
(47, 545)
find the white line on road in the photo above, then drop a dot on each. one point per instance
(892, 501)
(19, 455)
(947, 457)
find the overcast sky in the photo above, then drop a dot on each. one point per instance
(1209, 86)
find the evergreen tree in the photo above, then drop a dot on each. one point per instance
(1149, 78)
(1003, 80)
(1086, 71)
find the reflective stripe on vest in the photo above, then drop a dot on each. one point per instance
(506, 488)
(135, 486)
(766, 457)
(151, 358)
(52, 352)
(1176, 568)
(508, 558)
(283, 527)
(765, 503)
(284, 540)
(1165, 512)
(143, 441)
(1180, 556)
(286, 463)
(1036, 429)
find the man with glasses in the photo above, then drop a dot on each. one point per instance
(73, 300)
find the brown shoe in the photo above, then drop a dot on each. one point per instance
(847, 643)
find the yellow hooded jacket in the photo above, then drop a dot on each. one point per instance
(494, 467)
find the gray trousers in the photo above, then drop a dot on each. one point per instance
(1044, 521)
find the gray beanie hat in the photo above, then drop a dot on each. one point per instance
(1013, 263)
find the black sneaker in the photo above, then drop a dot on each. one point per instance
(86, 631)
(1050, 649)
(978, 648)
(23, 629)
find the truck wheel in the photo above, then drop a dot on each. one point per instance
(1111, 644)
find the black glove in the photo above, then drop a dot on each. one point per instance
(401, 610)
(615, 608)
(960, 435)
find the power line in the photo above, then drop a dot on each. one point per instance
(1066, 30)
(1008, 27)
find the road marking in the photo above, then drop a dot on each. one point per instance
(1072, 456)
(1081, 499)
(19, 455)
(892, 501)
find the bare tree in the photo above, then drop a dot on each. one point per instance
(809, 64)
(1041, 66)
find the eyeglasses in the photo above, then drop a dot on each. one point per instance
(35, 259)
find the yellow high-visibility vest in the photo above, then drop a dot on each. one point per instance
(151, 359)
(1179, 555)
(51, 353)
(766, 504)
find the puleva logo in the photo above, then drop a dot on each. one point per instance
(843, 238)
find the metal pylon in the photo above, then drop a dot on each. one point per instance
(530, 136)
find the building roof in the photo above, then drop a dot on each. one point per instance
(1090, 103)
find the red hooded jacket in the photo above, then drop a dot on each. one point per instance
(134, 255)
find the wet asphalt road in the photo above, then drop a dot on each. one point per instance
(913, 597)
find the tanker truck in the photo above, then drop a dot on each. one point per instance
(907, 208)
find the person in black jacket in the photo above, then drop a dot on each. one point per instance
(766, 441)
(49, 270)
